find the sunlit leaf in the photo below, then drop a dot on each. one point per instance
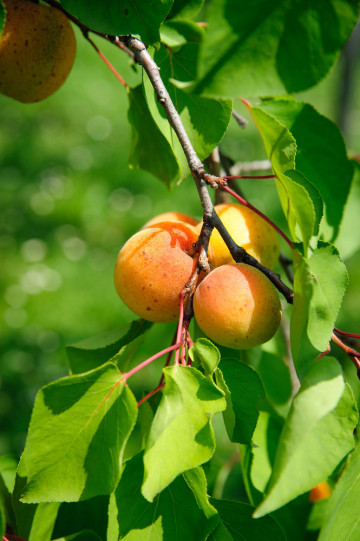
(83, 423)
(181, 428)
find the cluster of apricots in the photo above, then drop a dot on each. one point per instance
(235, 304)
(37, 50)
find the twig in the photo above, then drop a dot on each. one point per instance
(353, 354)
(151, 393)
(250, 167)
(239, 119)
(103, 57)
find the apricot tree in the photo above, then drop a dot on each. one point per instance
(103, 461)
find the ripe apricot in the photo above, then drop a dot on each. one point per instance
(172, 216)
(153, 267)
(37, 50)
(322, 491)
(248, 230)
(237, 306)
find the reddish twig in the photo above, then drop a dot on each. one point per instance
(352, 353)
(151, 393)
(127, 375)
(249, 177)
(347, 334)
(103, 57)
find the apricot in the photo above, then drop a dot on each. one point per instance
(248, 230)
(172, 216)
(37, 50)
(237, 306)
(153, 267)
(321, 491)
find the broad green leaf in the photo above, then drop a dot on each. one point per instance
(197, 113)
(342, 518)
(138, 436)
(316, 436)
(2, 515)
(205, 354)
(78, 431)
(321, 157)
(243, 390)
(176, 34)
(8, 466)
(281, 149)
(149, 150)
(121, 18)
(238, 520)
(184, 9)
(253, 50)
(315, 306)
(181, 511)
(85, 535)
(181, 428)
(43, 522)
(2, 16)
(97, 350)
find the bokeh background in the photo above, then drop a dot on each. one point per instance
(68, 201)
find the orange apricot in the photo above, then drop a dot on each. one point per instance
(321, 491)
(37, 50)
(248, 230)
(153, 267)
(172, 216)
(237, 306)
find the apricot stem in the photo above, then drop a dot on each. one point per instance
(107, 62)
(127, 375)
(151, 393)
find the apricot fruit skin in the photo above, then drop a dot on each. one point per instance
(237, 306)
(248, 230)
(37, 51)
(172, 216)
(152, 269)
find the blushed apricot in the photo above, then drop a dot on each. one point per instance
(248, 230)
(172, 216)
(37, 50)
(237, 306)
(153, 267)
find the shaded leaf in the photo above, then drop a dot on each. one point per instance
(181, 511)
(238, 520)
(254, 51)
(243, 390)
(316, 436)
(84, 535)
(121, 18)
(275, 377)
(149, 150)
(181, 428)
(185, 8)
(97, 350)
(343, 511)
(78, 431)
(88, 514)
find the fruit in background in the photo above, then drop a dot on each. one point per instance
(153, 267)
(237, 306)
(37, 50)
(322, 491)
(248, 230)
(172, 217)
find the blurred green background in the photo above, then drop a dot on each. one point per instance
(68, 202)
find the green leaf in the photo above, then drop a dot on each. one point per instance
(97, 350)
(243, 390)
(2, 16)
(121, 18)
(281, 148)
(84, 535)
(181, 428)
(275, 377)
(88, 514)
(321, 157)
(176, 34)
(206, 354)
(8, 466)
(78, 431)
(315, 307)
(316, 436)
(343, 511)
(185, 9)
(181, 511)
(238, 520)
(254, 51)
(197, 113)
(149, 150)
